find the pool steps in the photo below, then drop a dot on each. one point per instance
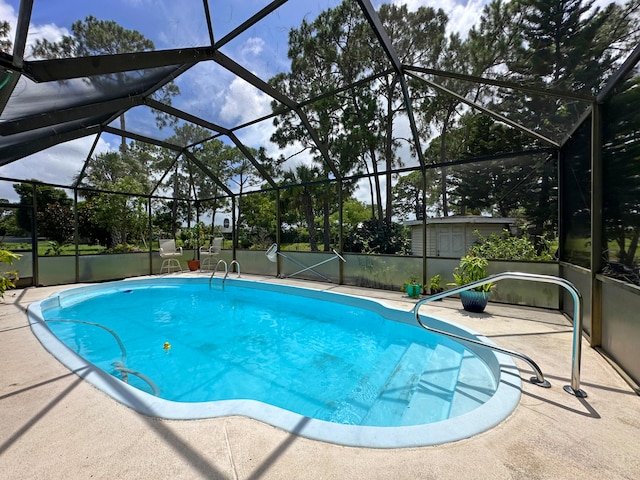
(420, 386)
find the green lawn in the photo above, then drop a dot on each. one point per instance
(44, 248)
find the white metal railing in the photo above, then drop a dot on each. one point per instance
(574, 388)
(226, 270)
(234, 262)
(117, 365)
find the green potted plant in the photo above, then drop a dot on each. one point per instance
(411, 287)
(471, 269)
(8, 279)
(435, 285)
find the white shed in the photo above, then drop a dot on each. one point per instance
(452, 236)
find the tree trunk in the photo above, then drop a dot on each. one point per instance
(123, 141)
(307, 208)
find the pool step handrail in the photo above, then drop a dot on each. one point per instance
(117, 365)
(122, 369)
(215, 269)
(234, 262)
(574, 388)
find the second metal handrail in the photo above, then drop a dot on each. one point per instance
(574, 388)
(215, 269)
(234, 262)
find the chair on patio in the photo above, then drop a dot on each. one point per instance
(209, 253)
(170, 255)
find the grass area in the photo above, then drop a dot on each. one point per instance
(580, 249)
(44, 248)
(296, 247)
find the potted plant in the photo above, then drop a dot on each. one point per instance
(193, 239)
(471, 269)
(8, 279)
(435, 285)
(411, 287)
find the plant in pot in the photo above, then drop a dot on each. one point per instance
(435, 285)
(471, 269)
(193, 239)
(411, 287)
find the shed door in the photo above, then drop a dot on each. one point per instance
(451, 241)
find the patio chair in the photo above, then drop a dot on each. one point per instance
(170, 255)
(209, 253)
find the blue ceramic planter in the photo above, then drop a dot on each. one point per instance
(473, 301)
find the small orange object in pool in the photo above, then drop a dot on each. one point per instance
(167, 346)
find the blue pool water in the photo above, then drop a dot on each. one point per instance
(332, 358)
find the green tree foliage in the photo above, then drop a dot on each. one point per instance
(244, 175)
(6, 45)
(259, 210)
(372, 236)
(354, 213)
(7, 279)
(499, 186)
(44, 196)
(339, 48)
(185, 179)
(418, 39)
(123, 216)
(568, 44)
(89, 228)
(509, 247)
(301, 199)
(482, 52)
(56, 223)
(408, 192)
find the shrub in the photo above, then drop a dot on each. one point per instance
(507, 247)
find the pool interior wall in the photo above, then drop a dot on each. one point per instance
(486, 416)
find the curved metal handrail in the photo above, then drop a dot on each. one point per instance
(117, 365)
(234, 262)
(124, 370)
(215, 269)
(574, 388)
(123, 350)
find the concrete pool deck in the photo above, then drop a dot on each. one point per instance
(55, 425)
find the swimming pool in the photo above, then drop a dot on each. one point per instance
(348, 371)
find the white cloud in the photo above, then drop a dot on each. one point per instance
(254, 46)
(462, 16)
(57, 165)
(243, 103)
(51, 32)
(8, 13)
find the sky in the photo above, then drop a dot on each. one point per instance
(207, 90)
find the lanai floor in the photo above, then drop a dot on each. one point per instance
(56, 426)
